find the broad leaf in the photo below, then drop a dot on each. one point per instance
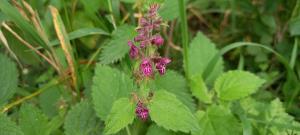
(117, 47)
(200, 53)
(234, 85)
(199, 89)
(121, 115)
(169, 10)
(156, 130)
(7, 127)
(81, 120)
(175, 83)
(32, 121)
(9, 79)
(109, 85)
(168, 112)
(218, 121)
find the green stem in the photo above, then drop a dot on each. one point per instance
(128, 131)
(39, 91)
(184, 32)
(111, 14)
(294, 53)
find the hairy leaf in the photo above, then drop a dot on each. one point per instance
(122, 114)
(108, 86)
(81, 120)
(32, 121)
(9, 79)
(168, 112)
(200, 53)
(7, 127)
(234, 85)
(218, 121)
(175, 83)
(117, 47)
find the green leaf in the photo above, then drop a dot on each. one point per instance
(199, 89)
(82, 33)
(234, 85)
(168, 112)
(294, 26)
(169, 10)
(32, 121)
(9, 79)
(218, 121)
(200, 53)
(81, 120)
(175, 83)
(156, 130)
(49, 99)
(117, 47)
(109, 85)
(121, 115)
(7, 127)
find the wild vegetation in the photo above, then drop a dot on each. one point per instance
(149, 67)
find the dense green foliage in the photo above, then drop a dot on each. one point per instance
(65, 68)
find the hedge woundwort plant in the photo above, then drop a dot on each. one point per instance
(143, 50)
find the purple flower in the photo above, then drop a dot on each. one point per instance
(153, 10)
(146, 67)
(143, 22)
(157, 40)
(141, 111)
(134, 51)
(161, 65)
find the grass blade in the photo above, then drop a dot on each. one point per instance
(65, 44)
(81, 33)
(13, 14)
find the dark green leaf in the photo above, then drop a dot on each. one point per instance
(9, 79)
(108, 86)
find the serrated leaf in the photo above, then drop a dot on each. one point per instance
(156, 130)
(121, 115)
(200, 53)
(109, 85)
(7, 127)
(117, 47)
(168, 112)
(199, 89)
(32, 121)
(270, 117)
(9, 79)
(175, 83)
(218, 121)
(234, 85)
(81, 120)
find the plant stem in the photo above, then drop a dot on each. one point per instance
(37, 92)
(294, 53)
(184, 32)
(128, 131)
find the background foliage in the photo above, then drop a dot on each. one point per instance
(65, 68)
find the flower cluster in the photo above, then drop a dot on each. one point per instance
(141, 111)
(144, 45)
